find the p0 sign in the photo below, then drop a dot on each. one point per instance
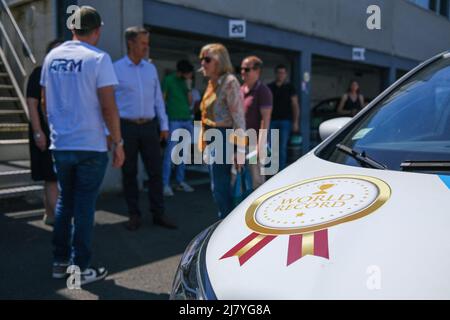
(237, 29)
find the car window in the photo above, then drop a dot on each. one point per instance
(410, 124)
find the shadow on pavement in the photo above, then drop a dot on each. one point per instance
(141, 264)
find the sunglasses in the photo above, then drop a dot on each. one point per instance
(247, 70)
(206, 59)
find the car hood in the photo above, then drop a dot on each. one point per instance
(389, 238)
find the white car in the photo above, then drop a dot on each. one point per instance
(365, 215)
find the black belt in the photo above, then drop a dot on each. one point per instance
(139, 121)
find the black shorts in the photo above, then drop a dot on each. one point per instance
(41, 162)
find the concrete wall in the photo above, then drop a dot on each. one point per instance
(407, 30)
(37, 20)
(419, 32)
(117, 15)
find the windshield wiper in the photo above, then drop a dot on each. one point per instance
(433, 165)
(361, 157)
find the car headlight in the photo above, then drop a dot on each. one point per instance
(191, 279)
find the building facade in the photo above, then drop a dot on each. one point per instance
(324, 43)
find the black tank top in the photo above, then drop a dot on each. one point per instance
(353, 105)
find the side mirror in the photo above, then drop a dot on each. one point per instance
(329, 127)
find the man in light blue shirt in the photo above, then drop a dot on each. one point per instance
(138, 94)
(141, 108)
(78, 89)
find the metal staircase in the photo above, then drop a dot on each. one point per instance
(15, 178)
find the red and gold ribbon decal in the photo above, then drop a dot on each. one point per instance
(315, 244)
(248, 247)
(309, 239)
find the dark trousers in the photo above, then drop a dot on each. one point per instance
(142, 139)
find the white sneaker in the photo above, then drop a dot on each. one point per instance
(183, 186)
(168, 192)
(90, 275)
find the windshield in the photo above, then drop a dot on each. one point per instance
(410, 124)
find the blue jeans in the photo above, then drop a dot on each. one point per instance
(285, 127)
(220, 175)
(167, 162)
(80, 175)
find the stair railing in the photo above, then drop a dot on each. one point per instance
(19, 71)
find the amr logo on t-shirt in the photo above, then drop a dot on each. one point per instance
(66, 65)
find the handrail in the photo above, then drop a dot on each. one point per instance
(14, 82)
(13, 51)
(16, 27)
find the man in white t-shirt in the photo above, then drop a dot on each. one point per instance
(78, 87)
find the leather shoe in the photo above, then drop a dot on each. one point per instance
(134, 223)
(164, 222)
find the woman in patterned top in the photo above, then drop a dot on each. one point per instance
(222, 108)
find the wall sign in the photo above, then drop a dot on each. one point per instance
(359, 54)
(237, 29)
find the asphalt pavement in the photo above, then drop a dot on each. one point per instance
(141, 264)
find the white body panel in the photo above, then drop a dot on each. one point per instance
(400, 251)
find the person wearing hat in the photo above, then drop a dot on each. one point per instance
(78, 83)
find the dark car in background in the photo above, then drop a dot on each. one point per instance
(323, 111)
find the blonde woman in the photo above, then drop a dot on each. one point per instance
(222, 108)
